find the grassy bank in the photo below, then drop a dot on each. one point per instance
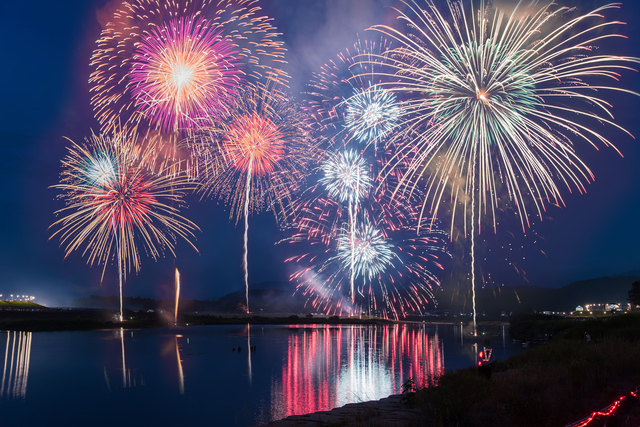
(550, 385)
(20, 305)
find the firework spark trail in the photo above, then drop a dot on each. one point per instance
(490, 98)
(162, 64)
(255, 158)
(119, 255)
(177, 280)
(346, 179)
(352, 240)
(128, 208)
(473, 252)
(246, 232)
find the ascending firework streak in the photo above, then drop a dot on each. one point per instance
(175, 321)
(254, 158)
(117, 197)
(347, 179)
(495, 98)
(168, 64)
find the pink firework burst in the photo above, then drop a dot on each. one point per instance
(157, 63)
(181, 69)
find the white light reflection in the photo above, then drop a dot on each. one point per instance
(129, 378)
(180, 371)
(249, 348)
(15, 372)
(124, 367)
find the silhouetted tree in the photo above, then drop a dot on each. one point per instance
(634, 293)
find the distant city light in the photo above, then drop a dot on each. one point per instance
(25, 298)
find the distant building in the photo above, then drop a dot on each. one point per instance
(579, 308)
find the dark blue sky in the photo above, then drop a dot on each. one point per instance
(45, 49)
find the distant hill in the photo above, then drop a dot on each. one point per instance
(263, 300)
(509, 299)
(492, 301)
(260, 301)
(282, 286)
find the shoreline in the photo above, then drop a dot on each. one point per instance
(388, 411)
(69, 319)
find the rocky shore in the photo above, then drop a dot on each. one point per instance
(389, 411)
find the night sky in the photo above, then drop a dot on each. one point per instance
(44, 91)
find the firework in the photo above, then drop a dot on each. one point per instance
(495, 98)
(166, 65)
(364, 249)
(255, 158)
(390, 260)
(371, 114)
(347, 180)
(345, 100)
(346, 177)
(123, 206)
(180, 68)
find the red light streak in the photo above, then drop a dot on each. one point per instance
(606, 412)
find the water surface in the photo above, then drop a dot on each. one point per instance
(208, 374)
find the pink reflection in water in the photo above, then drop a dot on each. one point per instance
(329, 366)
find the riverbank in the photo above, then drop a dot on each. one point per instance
(567, 379)
(68, 319)
(71, 319)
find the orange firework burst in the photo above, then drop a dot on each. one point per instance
(255, 157)
(254, 144)
(261, 148)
